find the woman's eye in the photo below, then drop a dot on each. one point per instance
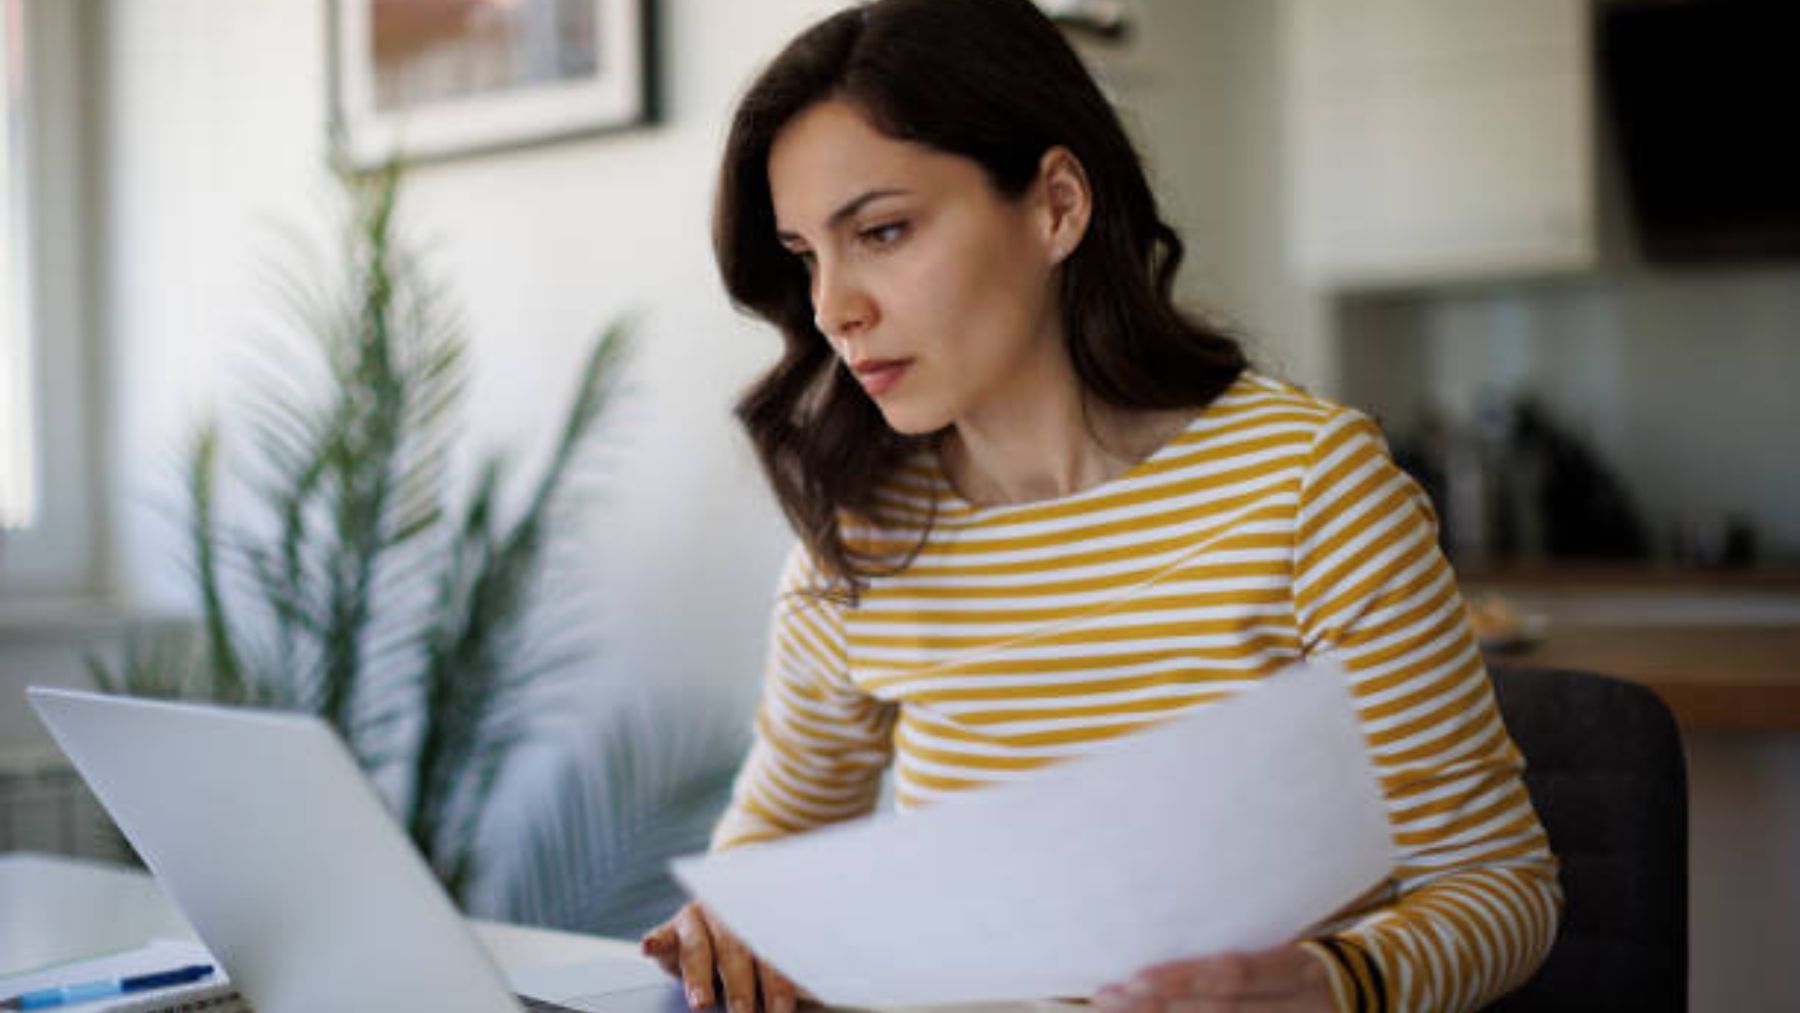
(884, 235)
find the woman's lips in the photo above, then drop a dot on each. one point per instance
(879, 375)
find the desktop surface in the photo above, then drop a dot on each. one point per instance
(55, 909)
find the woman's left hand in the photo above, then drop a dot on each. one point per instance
(1287, 978)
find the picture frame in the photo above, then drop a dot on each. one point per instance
(437, 79)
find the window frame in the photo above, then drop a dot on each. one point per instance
(58, 556)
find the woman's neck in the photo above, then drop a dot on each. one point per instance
(1050, 447)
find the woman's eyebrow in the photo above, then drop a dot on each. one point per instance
(849, 208)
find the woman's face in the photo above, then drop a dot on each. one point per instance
(934, 290)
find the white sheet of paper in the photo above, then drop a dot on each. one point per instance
(1233, 828)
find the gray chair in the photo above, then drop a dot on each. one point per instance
(1604, 767)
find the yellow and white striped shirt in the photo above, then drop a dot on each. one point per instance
(1274, 526)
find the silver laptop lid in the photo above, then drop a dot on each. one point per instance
(264, 831)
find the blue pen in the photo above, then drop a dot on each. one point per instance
(47, 998)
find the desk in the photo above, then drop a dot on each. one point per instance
(54, 909)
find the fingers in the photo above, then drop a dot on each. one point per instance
(696, 959)
(737, 968)
(695, 947)
(1269, 973)
(778, 993)
(662, 945)
(1285, 978)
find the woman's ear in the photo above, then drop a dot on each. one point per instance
(1066, 202)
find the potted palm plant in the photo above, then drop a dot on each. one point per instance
(354, 586)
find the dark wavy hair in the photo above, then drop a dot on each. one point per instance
(993, 81)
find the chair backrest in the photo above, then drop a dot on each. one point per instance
(1604, 767)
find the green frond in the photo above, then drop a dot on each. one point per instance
(226, 669)
(164, 665)
(357, 586)
(626, 798)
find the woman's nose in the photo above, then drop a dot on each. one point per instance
(841, 307)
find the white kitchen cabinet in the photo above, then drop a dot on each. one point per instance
(1440, 140)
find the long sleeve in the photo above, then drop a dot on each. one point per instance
(820, 743)
(1475, 897)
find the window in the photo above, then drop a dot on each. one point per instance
(49, 472)
(18, 488)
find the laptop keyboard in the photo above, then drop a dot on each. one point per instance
(213, 998)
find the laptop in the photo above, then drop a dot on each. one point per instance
(267, 835)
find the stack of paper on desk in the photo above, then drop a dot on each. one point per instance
(1234, 828)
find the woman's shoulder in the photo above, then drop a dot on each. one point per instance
(1255, 392)
(1261, 410)
(806, 591)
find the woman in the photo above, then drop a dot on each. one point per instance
(1039, 507)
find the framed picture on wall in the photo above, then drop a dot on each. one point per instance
(433, 79)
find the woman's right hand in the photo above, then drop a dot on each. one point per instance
(693, 945)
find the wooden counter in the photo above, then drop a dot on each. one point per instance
(1744, 678)
(1570, 576)
(1721, 647)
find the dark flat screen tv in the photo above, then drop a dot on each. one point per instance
(1704, 100)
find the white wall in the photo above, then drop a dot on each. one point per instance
(215, 128)
(1199, 84)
